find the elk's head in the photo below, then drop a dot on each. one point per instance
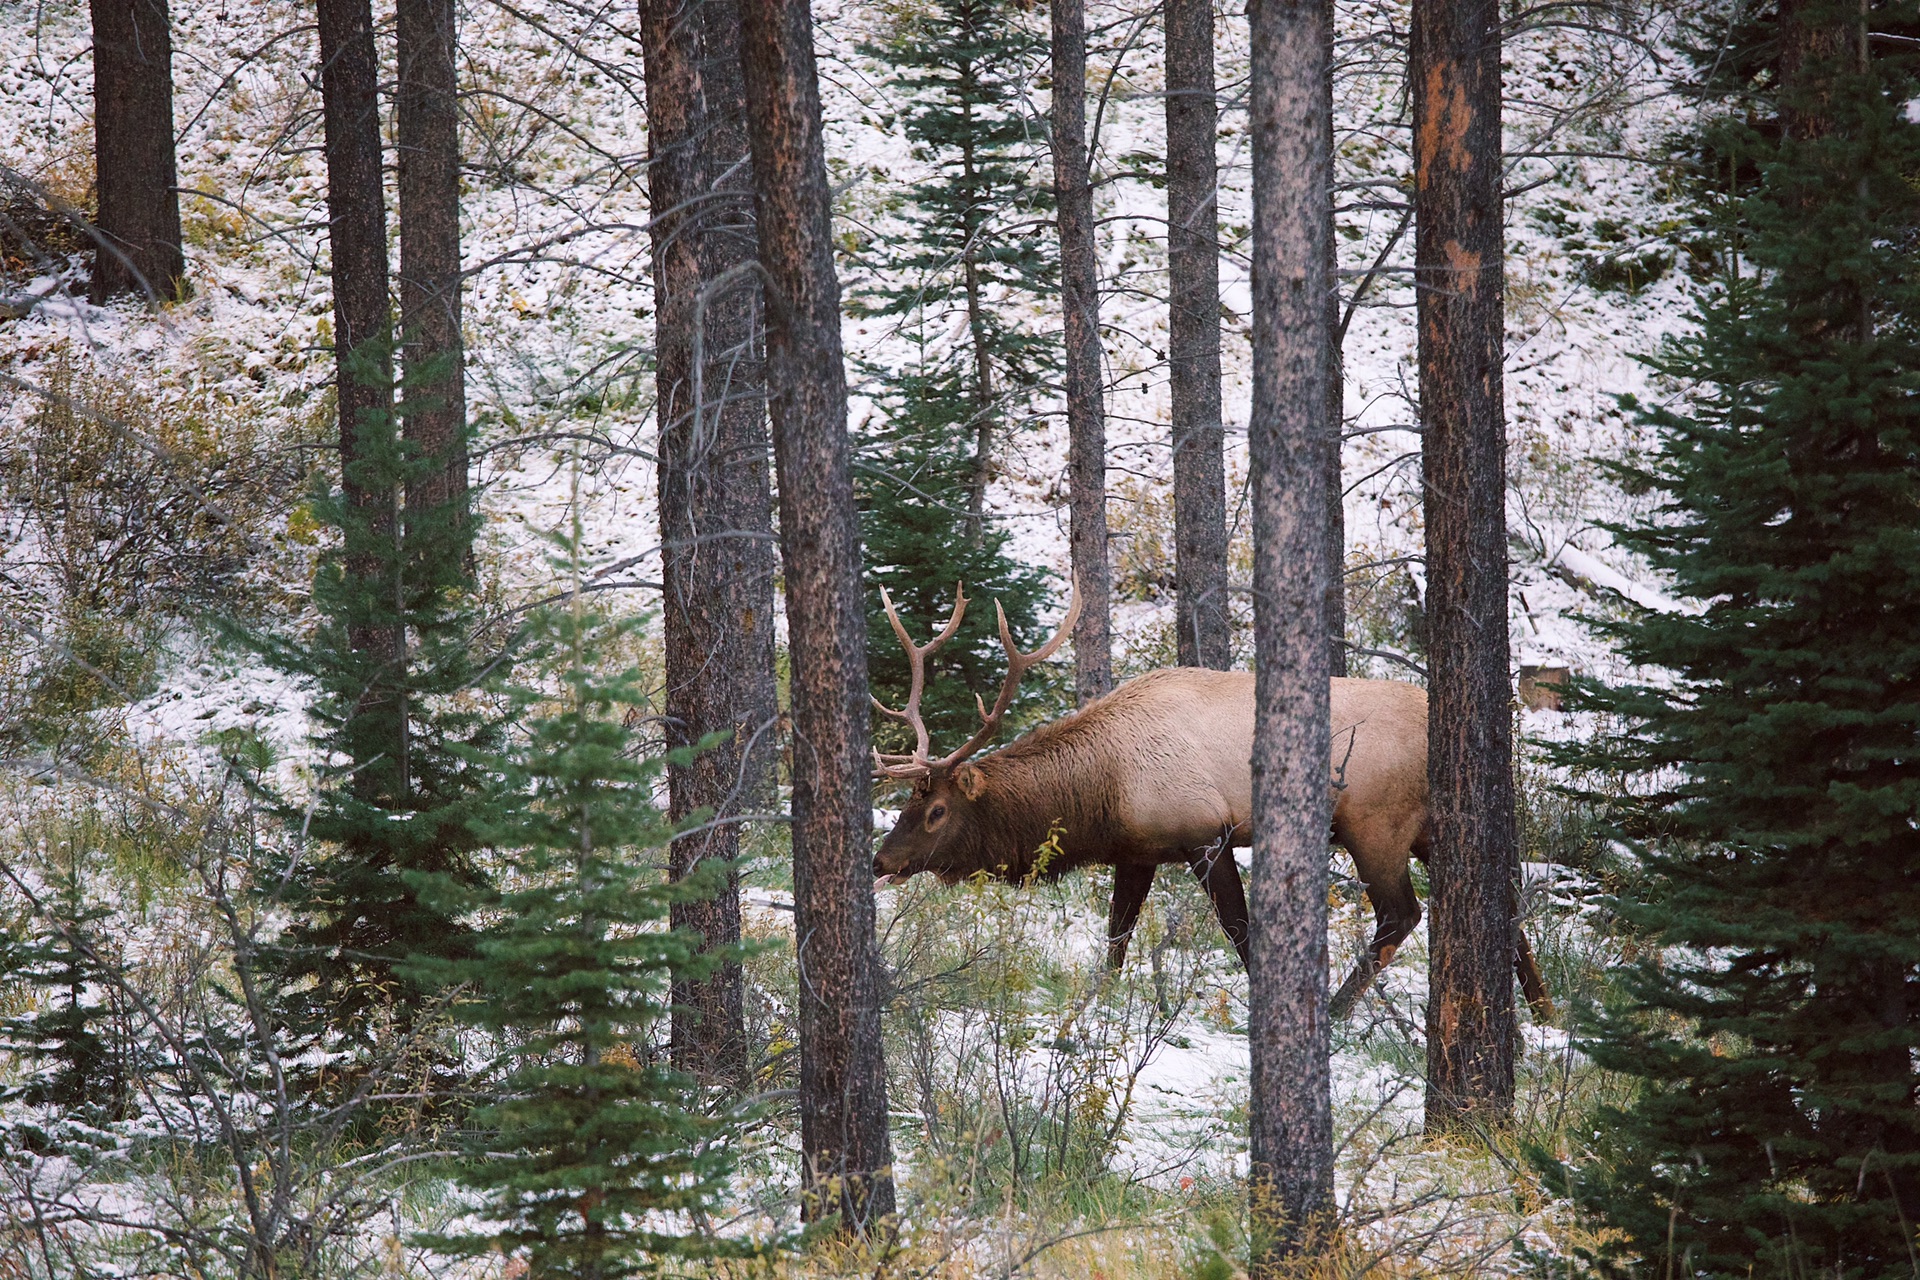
(940, 829)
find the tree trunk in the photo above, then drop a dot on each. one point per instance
(1454, 57)
(1203, 624)
(1080, 301)
(1817, 40)
(1291, 1123)
(983, 406)
(715, 506)
(847, 1155)
(362, 340)
(138, 221)
(427, 111)
(1336, 615)
(1336, 516)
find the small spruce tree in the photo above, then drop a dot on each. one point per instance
(396, 728)
(591, 1153)
(962, 282)
(1772, 1024)
(63, 1061)
(913, 548)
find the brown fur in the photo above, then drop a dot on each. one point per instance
(1158, 771)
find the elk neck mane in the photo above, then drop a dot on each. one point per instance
(1058, 774)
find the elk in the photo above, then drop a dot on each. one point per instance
(1159, 771)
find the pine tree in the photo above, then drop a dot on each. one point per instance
(913, 547)
(716, 507)
(1202, 623)
(137, 229)
(845, 1148)
(1773, 1023)
(1290, 1113)
(70, 1066)
(1453, 64)
(398, 788)
(426, 120)
(973, 250)
(591, 1147)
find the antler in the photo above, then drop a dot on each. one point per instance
(917, 764)
(1018, 664)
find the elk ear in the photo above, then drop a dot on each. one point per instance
(970, 781)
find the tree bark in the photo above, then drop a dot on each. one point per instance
(1291, 1122)
(427, 118)
(1817, 40)
(846, 1151)
(715, 503)
(1454, 56)
(1201, 618)
(357, 237)
(1080, 301)
(138, 219)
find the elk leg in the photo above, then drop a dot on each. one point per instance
(1396, 910)
(1215, 868)
(1532, 984)
(1130, 884)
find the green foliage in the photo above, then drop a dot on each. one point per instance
(591, 1153)
(146, 1127)
(971, 253)
(71, 1066)
(54, 678)
(1773, 1019)
(136, 501)
(396, 664)
(130, 508)
(915, 546)
(963, 69)
(1024, 1067)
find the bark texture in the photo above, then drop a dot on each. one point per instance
(845, 1147)
(1291, 1122)
(1812, 46)
(715, 504)
(357, 240)
(1474, 866)
(138, 219)
(1080, 301)
(1201, 617)
(427, 124)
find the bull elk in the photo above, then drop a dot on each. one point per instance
(1159, 771)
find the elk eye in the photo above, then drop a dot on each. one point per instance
(936, 813)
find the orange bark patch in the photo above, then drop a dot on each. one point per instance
(1443, 129)
(1463, 265)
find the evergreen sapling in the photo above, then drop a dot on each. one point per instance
(961, 283)
(396, 726)
(591, 1155)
